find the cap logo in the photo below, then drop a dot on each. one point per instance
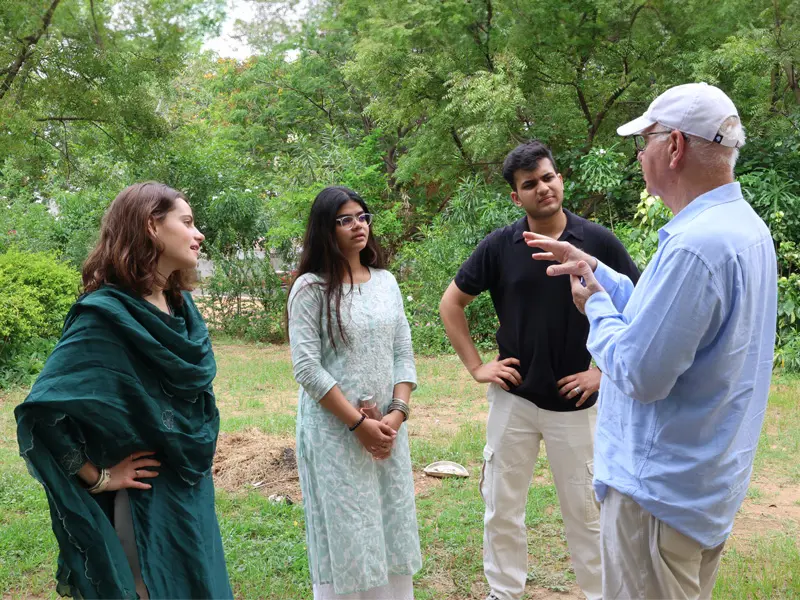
(718, 138)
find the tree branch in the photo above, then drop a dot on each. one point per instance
(66, 150)
(587, 114)
(461, 150)
(487, 47)
(791, 76)
(304, 95)
(598, 118)
(635, 14)
(97, 38)
(67, 119)
(29, 43)
(111, 137)
(48, 142)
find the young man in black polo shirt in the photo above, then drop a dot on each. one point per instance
(541, 384)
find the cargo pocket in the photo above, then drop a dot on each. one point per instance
(592, 507)
(487, 477)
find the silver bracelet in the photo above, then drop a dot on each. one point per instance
(400, 405)
(102, 482)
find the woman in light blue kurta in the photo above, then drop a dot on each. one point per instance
(350, 339)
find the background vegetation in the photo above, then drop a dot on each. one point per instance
(414, 103)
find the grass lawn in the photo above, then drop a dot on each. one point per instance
(264, 539)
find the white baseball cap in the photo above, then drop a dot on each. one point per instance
(694, 108)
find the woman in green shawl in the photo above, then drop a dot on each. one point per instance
(121, 426)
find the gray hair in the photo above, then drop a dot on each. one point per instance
(717, 156)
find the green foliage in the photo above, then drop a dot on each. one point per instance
(601, 170)
(640, 235)
(36, 291)
(82, 78)
(776, 197)
(426, 267)
(244, 298)
(787, 352)
(49, 284)
(409, 102)
(74, 231)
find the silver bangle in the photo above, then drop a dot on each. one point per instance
(102, 482)
(400, 405)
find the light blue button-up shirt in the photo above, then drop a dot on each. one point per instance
(687, 360)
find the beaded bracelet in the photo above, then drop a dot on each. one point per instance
(360, 421)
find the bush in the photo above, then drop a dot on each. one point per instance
(787, 344)
(36, 292)
(426, 267)
(777, 204)
(787, 352)
(640, 237)
(244, 298)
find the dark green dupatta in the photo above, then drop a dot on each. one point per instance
(127, 377)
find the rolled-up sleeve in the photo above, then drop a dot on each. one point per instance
(405, 370)
(305, 338)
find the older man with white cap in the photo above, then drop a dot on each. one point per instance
(686, 356)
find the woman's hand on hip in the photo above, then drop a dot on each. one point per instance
(127, 473)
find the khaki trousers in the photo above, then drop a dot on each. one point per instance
(646, 559)
(514, 430)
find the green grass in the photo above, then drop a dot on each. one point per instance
(779, 446)
(768, 569)
(264, 546)
(265, 542)
(27, 546)
(754, 493)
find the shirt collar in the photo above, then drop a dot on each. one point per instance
(573, 228)
(730, 192)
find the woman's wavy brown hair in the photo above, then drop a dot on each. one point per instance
(127, 253)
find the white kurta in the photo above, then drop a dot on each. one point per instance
(361, 522)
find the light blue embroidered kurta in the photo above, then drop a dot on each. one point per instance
(361, 521)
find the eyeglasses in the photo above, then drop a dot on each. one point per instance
(640, 142)
(349, 221)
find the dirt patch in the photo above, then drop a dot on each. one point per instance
(574, 593)
(773, 502)
(431, 421)
(446, 588)
(443, 586)
(779, 388)
(772, 507)
(423, 484)
(252, 459)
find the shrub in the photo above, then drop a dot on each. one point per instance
(244, 298)
(36, 292)
(776, 203)
(426, 267)
(640, 237)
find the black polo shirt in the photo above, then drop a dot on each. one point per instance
(539, 324)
